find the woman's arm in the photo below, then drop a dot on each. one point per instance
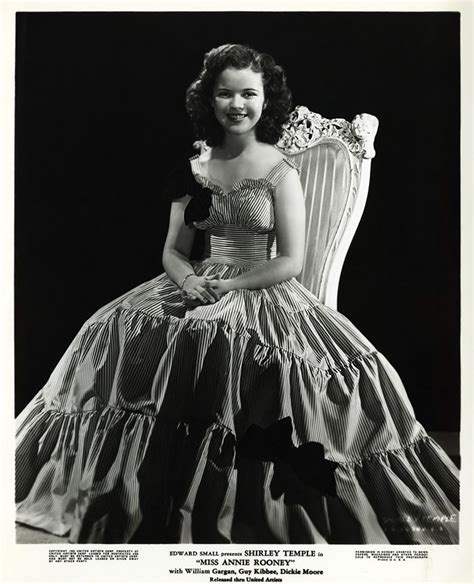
(178, 244)
(176, 252)
(290, 233)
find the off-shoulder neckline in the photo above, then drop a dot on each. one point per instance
(236, 185)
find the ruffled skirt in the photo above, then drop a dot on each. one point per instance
(135, 436)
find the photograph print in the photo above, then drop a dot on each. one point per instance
(237, 277)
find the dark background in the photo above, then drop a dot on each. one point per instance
(100, 118)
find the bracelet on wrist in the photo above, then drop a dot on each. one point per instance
(185, 278)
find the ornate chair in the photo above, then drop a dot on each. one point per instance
(334, 157)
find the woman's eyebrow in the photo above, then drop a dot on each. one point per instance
(224, 88)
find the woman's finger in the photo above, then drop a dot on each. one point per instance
(215, 288)
(200, 297)
(190, 302)
(207, 292)
(208, 296)
(193, 294)
(211, 291)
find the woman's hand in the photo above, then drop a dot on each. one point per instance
(195, 292)
(218, 286)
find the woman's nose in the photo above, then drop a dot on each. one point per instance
(237, 102)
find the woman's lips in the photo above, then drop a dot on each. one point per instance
(236, 117)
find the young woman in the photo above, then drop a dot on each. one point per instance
(221, 401)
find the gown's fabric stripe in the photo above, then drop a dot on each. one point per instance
(133, 437)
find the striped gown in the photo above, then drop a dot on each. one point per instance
(134, 436)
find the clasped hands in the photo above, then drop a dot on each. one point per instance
(198, 290)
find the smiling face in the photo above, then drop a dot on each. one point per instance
(238, 100)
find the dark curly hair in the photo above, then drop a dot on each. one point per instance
(277, 95)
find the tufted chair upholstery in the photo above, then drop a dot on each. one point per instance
(334, 157)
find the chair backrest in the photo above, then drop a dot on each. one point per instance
(334, 157)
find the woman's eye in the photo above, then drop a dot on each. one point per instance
(250, 94)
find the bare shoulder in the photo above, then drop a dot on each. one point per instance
(288, 182)
(270, 154)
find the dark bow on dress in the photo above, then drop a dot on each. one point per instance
(199, 206)
(276, 445)
(181, 182)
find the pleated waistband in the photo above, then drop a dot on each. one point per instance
(239, 246)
